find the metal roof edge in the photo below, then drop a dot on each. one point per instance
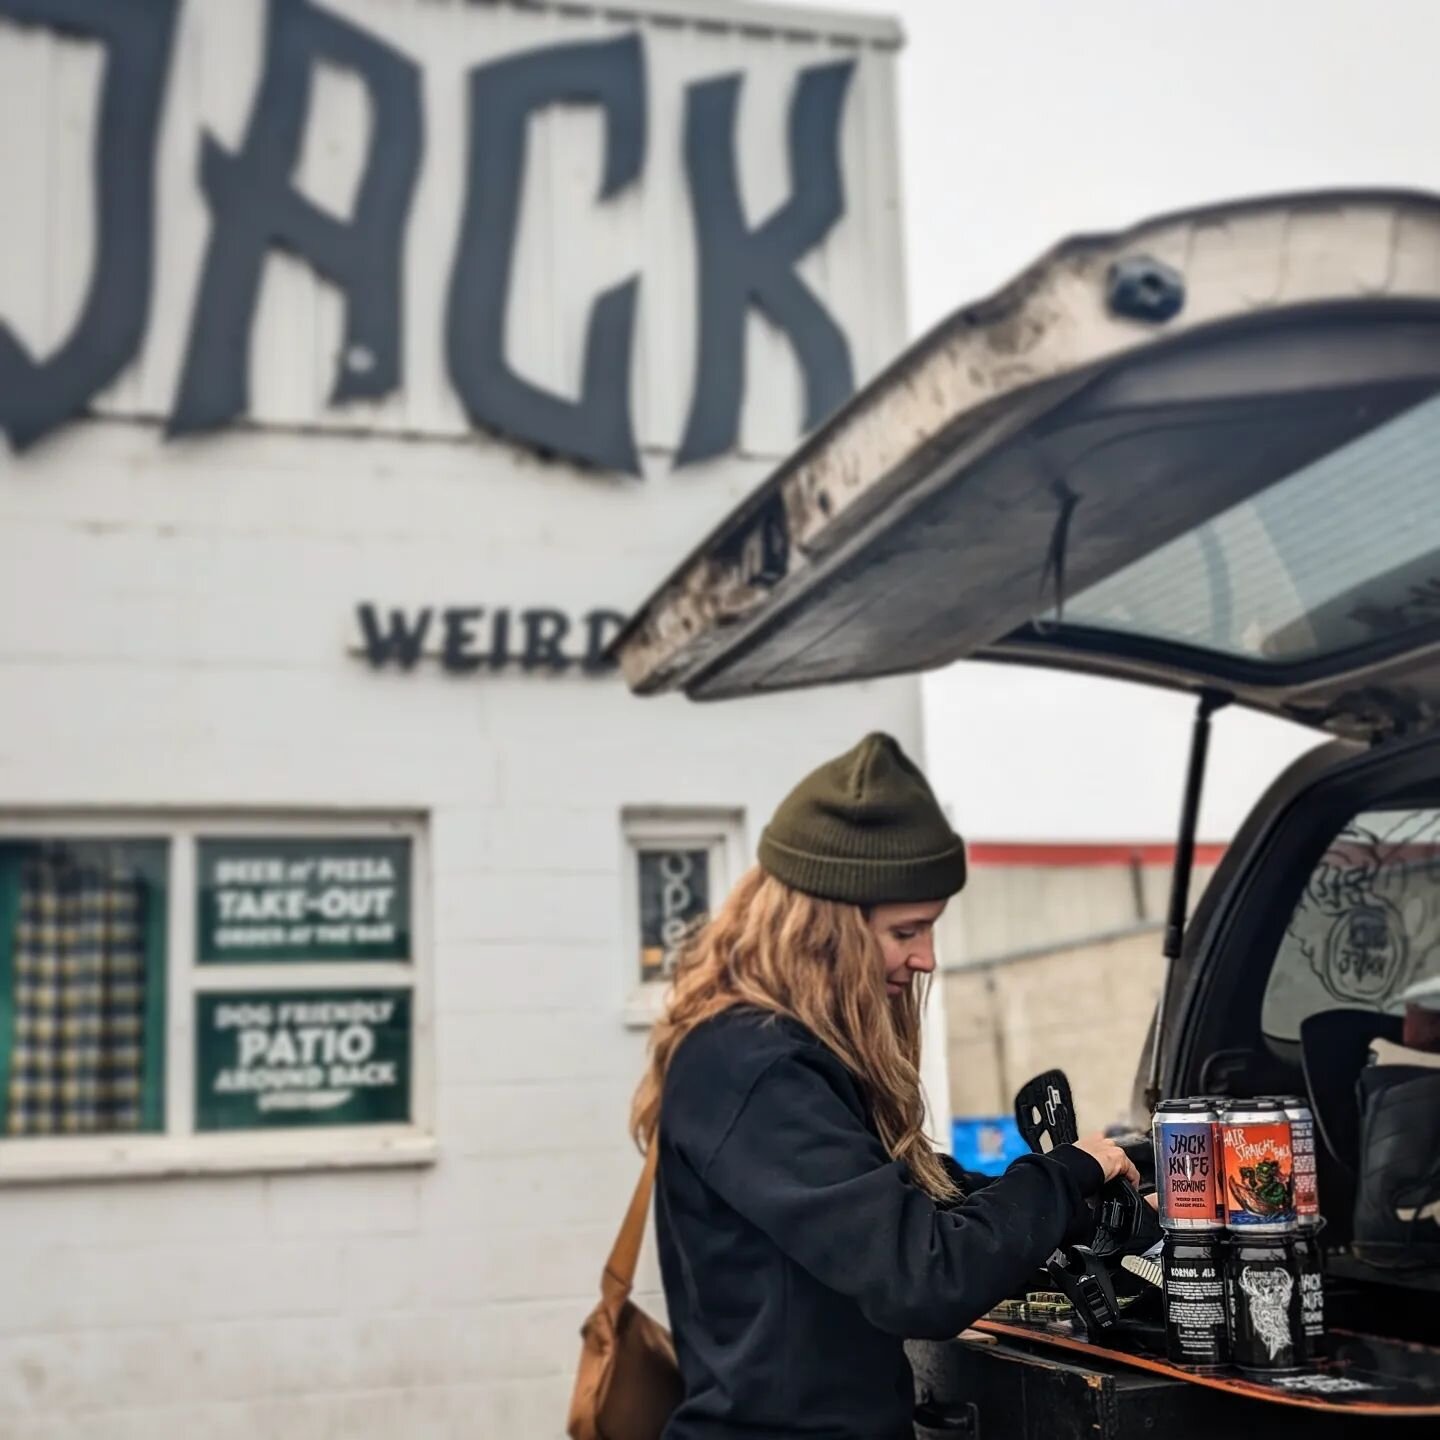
(758, 17)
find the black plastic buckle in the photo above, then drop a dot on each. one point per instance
(1086, 1285)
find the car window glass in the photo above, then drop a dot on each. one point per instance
(1341, 554)
(1367, 925)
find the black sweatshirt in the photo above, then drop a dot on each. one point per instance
(797, 1255)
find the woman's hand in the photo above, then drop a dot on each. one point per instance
(1110, 1157)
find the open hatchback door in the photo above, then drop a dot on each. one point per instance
(1204, 454)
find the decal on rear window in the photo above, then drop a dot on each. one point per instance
(1367, 925)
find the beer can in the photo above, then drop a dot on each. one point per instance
(1311, 1271)
(1302, 1154)
(1258, 1166)
(1188, 1179)
(1262, 1296)
(1193, 1266)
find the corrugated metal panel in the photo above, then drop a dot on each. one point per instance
(569, 251)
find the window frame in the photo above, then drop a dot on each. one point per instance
(719, 831)
(179, 1149)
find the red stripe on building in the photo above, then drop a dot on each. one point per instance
(1077, 855)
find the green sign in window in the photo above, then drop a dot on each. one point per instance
(291, 1057)
(299, 900)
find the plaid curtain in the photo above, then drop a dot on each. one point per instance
(78, 972)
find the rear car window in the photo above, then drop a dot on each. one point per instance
(1367, 925)
(1339, 555)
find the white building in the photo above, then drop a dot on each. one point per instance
(349, 359)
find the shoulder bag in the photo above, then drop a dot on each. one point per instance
(628, 1384)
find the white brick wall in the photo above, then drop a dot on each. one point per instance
(176, 633)
(436, 1302)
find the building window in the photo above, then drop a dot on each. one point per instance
(674, 899)
(680, 864)
(211, 994)
(286, 1054)
(82, 987)
(301, 1057)
(286, 900)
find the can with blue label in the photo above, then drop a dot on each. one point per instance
(1188, 1178)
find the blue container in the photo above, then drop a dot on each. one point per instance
(987, 1143)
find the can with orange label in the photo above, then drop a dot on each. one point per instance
(1302, 1155)
(1259, 1168)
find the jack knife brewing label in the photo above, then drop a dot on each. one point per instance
(1187, 1173)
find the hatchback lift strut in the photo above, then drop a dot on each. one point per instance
(1210, 702)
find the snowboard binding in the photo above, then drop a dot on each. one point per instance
(1124, 1223)
(1045, 1117)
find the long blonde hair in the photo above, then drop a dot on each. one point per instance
(819, 963)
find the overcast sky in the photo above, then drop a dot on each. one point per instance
(1026, 122)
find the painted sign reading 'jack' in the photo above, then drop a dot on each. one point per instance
(256, 205)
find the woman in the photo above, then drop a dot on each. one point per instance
(806, 1227)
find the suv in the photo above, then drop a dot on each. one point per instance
(1204, 454)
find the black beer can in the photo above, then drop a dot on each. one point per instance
(1193, 1264)
(1263, 1297)
(1312, 1293)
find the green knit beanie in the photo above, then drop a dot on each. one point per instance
(866, 829)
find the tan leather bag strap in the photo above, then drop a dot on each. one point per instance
(625, 1256)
